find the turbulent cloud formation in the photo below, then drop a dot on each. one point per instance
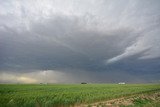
(83, 40)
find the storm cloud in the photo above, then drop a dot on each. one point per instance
(59, 41)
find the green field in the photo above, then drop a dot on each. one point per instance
(59, 95)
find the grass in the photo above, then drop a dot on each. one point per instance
(141, 101)
(58, 95)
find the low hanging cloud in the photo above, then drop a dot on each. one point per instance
(44, 76)
(32, 77)
(97, 40)
(149, 44)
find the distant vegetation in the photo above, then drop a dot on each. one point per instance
(59, 95)
(83, 83)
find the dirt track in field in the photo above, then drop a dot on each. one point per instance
(126, 101)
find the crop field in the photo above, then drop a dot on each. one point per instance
(66, 95)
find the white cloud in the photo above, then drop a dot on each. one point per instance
(148, 42)
(152, 39)
(134, 49)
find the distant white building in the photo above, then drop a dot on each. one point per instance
(121, 83)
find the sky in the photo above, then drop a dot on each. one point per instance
(73, 41)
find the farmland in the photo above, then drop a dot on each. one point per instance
(59, 95)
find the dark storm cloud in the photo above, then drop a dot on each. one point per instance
(105, 41)
(45, 47)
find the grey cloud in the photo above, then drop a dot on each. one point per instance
(45, 47)
(101, 40)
